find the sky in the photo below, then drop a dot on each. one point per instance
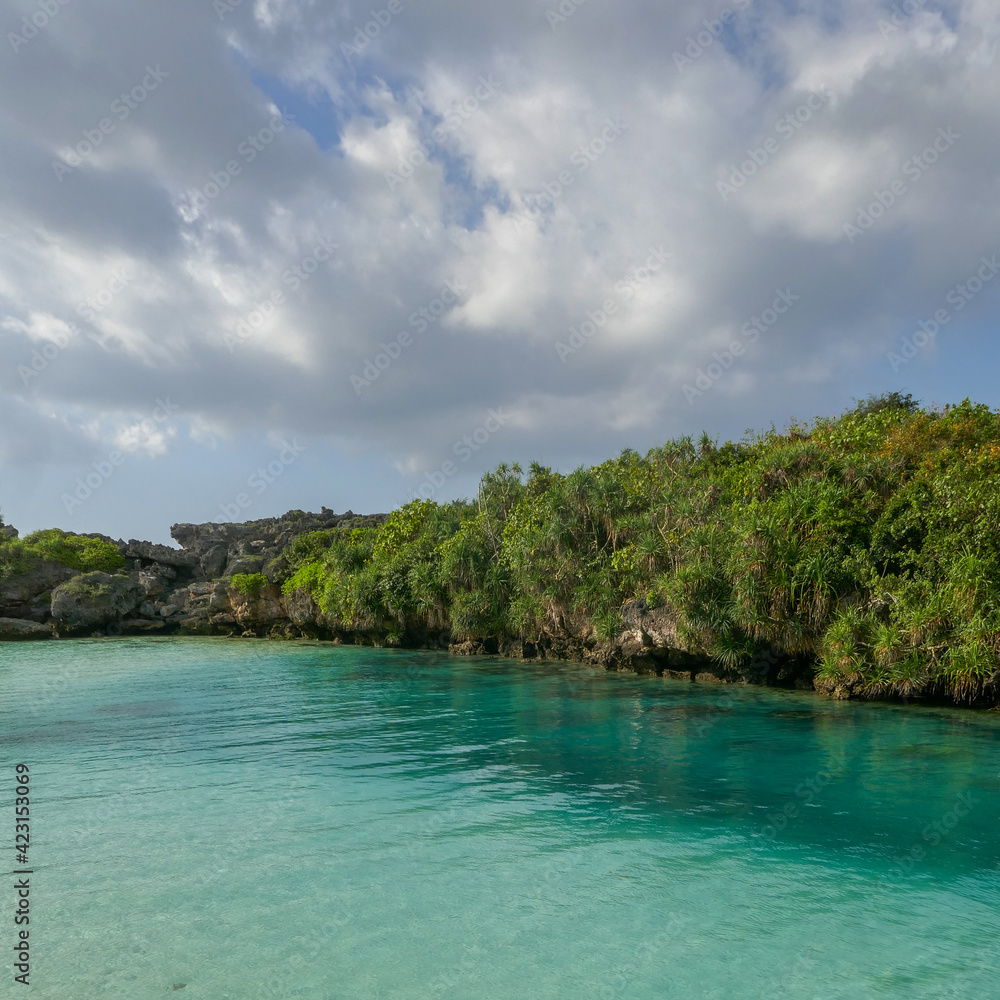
(260, 255)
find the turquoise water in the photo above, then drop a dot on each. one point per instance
(262, 820)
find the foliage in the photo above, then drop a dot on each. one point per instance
(79, 552)
(868, 542)
(887, 401)
(249, 584)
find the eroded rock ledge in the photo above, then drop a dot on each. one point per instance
(163, 589)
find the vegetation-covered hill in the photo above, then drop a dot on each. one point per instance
(868, 544)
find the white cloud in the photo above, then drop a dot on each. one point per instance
(463, 213)
(144, 438)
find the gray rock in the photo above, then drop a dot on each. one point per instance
(154, 581)
(18, 628)
(221, 548)
(166, 584)
(198, 625)
(651, 628)
(244, 564)
(95, 599)
(219, 599)
(213, 561)
(151, 552)
(136, 626)
(8, 531)
(23, 587)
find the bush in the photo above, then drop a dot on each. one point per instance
(886, 401)
(249, 584)
(79, 552)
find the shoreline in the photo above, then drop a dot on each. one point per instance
(692, 678)
(855, 556)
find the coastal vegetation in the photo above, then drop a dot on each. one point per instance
(83, 553)
(868, 544)
(859, 554)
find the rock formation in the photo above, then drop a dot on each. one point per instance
(187, 589)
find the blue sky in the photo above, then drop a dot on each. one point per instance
(228, 209)
(314, 113)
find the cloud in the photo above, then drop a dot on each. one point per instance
(209, 206)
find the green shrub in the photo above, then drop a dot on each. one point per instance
(249, 584)
(308, 577)
(79, 552)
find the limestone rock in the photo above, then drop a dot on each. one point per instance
(254, 546)
(198, 625)
(705, 677)
(18, 628)
(163, 554)
(213, 560)
(154, 581)
(95, 599)
(301, 608)
(139, 626)
(24, 587)
(244, 564)
(265, 608)
(653, 628)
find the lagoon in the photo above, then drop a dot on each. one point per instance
(252, 819)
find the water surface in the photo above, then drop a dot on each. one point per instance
(264, 820)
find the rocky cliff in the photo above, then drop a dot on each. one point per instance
(162, 589)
